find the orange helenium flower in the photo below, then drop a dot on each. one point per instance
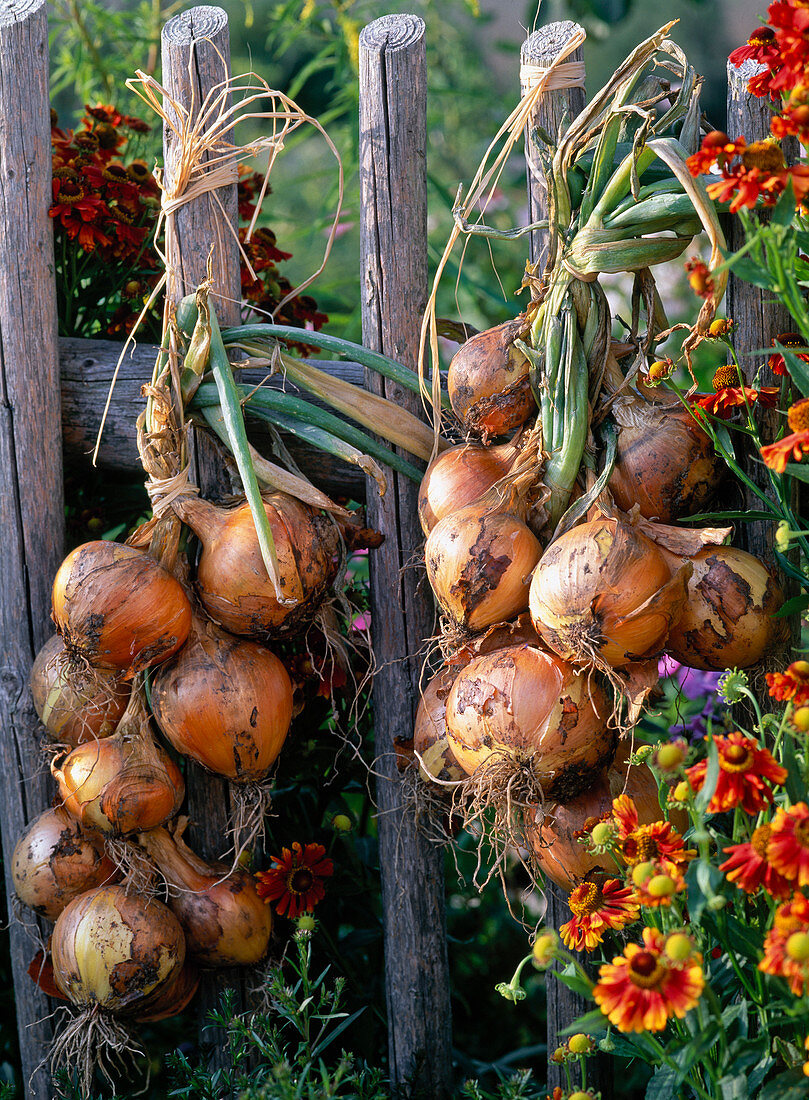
(648, 890)
(750, 869)
(725, 400)
(745, 772)
(642, 843)
(641, 989)
(595, 909)
(788, 850)
(779, 956)
(792, 685)
(295, 879)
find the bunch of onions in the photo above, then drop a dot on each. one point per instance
(727, 621)
(605, 593)
(665, 462)
(435, 756)
(54, 862)
(117, 608)
(524, 707)
(460, 476)
(124, 783)
(480, 558)
(232, 581)
(553, 835)
(488, 382)
(112, 949)
(75, 704)
(225, 702)
(224, 920)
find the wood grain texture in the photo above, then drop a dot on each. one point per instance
(86, 367)
(393, 204)
(196, 57)
(31, 500)
(540, 48)
(563, 1006)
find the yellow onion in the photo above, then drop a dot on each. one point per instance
(727, 619)
(488, 384)
(524, 705)
(480, 558)
(54, 862)
(74, 703)
(604, 592)
(665, 462)
(225, 921)
(553, 838)
(170, 997)
(435, 756)
(232, 580)
(124, 783)
(225, 702)
(113, 949)
(460, 476)
(118, 608)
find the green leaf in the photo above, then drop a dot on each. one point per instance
(796, 367)
(793, 784)
(733, 1088)
(798, 471)
(706, 793)
(791, 1085)
(793, 606)
(574, 981)
(784, 210)
(748, 514)
(589, 1022)
(663, 1086)
(750, 272)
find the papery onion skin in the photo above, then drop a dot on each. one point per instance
(479, 565)
(170, 997)
(727, 620)
(460, 476)
(113, 949)
(435, 756)
(603, 591)
(488, 384)
(118, 608)
(225, 702)
(526, 704)
(232, 581)
(225, 921)
(665, 463)
(75, 704)
(54, 862)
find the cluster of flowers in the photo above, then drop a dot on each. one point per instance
(105, 210)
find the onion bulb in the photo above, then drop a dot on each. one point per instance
(170, 997)
(488, 383)
(225, 921)
(124, 783)
(435, 756)
(225, 702)
(232, 580)
(665, 462)
(460, 476)
(118, 608)
(54, 862)
(112, 949)
(480, 558)
(604, 592)
(75, 704)
(727, 619)
(524, 705)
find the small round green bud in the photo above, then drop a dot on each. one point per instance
(641, 872)
(602, 833)
(661, 886)
(798, 946)
(679, 947)
(580, 1044)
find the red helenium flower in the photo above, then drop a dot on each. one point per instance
(642, 843)
(788, 850)
(745, 774)
(595, 909)
(792, 685)
(789, 918)
(295, 879)
(750, 869)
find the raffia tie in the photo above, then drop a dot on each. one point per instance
(163, 491)
(569, 74)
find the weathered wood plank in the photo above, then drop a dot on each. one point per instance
(31, 501)
(393, 205)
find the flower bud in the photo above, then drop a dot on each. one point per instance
(669, 757)
(641, 872)
(661, 886)
(800, 719)
(679, 946)
(544, 948)
(580, 1044)
(797, 946)
(602, 833)
(682, 792)
(342, 823)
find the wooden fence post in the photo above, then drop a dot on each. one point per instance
(31, 500)
(393, 205)
(196, 57)
(540, 49)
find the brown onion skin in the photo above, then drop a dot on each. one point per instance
(460, 476)
(225, 921)
(488, 384)
(437, 760)
(118, 608)
(225, 702)
(479, 565)
(170, 997)
(667, 466)
(114, 949)
(73, 704)
(232, 581)
(727, 621)
(54, 862)
(524, 703)
(555, 847)
(604, 588)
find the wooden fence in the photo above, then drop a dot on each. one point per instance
(39, 375)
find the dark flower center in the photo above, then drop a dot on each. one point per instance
(300, 880)
(726, 376)
(765, 156)
(645, 970)
(761, 36)
(640, 849)
(585, 899)
(736, 758)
